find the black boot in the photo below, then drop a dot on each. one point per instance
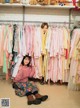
(31, 100)
(42, 81)
(35, 102)
(41, 97)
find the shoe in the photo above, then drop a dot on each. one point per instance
(43, 98)
(36, 102)
(42, 83)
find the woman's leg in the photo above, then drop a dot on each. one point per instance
(29, 96)
(31, 99)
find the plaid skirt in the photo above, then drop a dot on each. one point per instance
(25, 87)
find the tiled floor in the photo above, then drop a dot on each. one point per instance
(59, 96)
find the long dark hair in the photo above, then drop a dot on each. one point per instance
(29, 57)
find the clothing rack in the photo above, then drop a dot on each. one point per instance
(31, 22)
(7, 22)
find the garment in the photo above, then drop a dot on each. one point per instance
(2, 28)
(10, 38)
(48, 40)
(25, 88)
(5, 47)
(76, 37)
(21, 80)
(37, 42)
(44, 54)
(73, 69)
(15, 47)
(54, 43)
(59, 54)
(38, 67)
(44, 65)
(28, 39)
(23, 74)
(22, 44)
(65, 57)
(16, 38)
(53, 69)
(16, 67)
(74, 77)
(43, 39)
(22, 52)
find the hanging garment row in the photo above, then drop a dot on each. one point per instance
(49, 50)
(74, 79)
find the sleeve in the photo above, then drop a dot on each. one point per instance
(19, 76)
(16, 68)
(32, 73)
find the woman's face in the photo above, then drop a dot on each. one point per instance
(45, 29)
(26, 61)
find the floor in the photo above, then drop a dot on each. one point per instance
(59, 96)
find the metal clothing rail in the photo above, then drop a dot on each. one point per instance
(20, 21)
(10, 21)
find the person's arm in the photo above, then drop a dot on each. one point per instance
(32, 72)
(19, 75)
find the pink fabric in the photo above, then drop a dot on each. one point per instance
(50, 68)
(33, 34)
(6, 44)
(38, 72)
(53, 69)
(23, 74)
(60, 41)
(28, 39)
(59, 68)
(2, 28)
(56, 46)
(56, 51)
(53, 45)
(22, 42)
(37, 42)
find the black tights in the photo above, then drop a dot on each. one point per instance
(29, 93)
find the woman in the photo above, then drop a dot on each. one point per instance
(44, 52)
(24, 87)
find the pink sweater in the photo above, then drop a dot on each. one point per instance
(23, 74)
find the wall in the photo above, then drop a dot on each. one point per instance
(49, 15)
(11, 13)
(75, 16)
(37, 14)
